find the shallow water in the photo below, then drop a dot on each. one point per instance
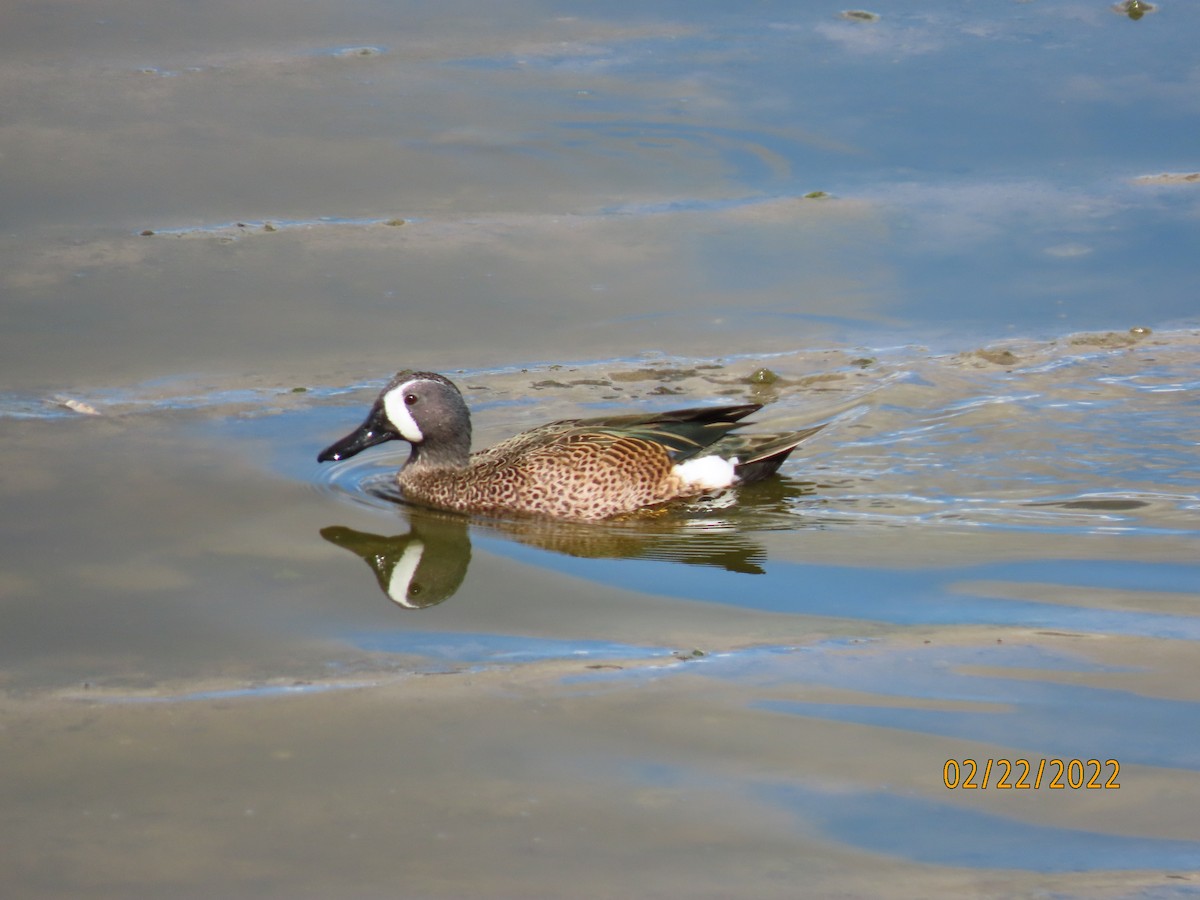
(228, 671)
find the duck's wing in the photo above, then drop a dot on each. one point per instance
(684, 433)
(760, 455)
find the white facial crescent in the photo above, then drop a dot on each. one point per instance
(400, 417)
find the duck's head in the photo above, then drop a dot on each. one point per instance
(423, 408)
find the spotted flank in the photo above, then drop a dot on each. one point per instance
(573, 469)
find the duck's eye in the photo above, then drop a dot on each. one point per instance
(410, 399)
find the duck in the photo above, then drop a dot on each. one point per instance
(581, 469)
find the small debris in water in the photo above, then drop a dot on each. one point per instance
(660, 375)
(358, 51)
(1169, 178)
(863, 361)
(694, 654)
(822, 378)
(1070, 634)
(267, 226)
(817, 195)
(999, 357)
(147, 233)
(1110, 339)
(84, 409)
(299, 390)
(1140, 330)
(1135, 9)
(861, 15)
(763, 376)
(395, 223)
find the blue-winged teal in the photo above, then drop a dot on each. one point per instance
(576, 468)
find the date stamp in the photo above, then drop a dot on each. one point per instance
(1023, 775)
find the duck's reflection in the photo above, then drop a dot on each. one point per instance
(415, 570)
(427, 564)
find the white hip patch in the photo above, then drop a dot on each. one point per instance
(708, 473)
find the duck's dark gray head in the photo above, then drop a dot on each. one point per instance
(423, 408)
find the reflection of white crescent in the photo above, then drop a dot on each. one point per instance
(402, 574)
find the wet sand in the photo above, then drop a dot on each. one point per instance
(517, 782)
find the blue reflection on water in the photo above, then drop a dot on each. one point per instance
(495, 648)
(926, 831)
(1018, 702)
(901, 596)
(1061, 721)
(1030, 713)
(1000, 144)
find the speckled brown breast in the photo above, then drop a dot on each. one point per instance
(576, 474)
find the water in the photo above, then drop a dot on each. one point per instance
(967, 235)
